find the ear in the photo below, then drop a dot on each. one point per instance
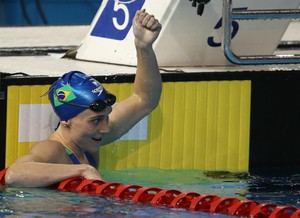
(66, 123)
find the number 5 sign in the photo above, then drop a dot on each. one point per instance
(116, 19)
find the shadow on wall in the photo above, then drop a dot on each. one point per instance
(47, 12)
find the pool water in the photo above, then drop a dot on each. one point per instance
(38, 202)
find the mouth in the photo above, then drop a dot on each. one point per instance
(97, 139)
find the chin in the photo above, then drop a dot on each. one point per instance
(96, 147)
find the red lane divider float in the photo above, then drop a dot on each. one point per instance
(2, 176)
(174, 198)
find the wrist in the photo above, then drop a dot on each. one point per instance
(144, 52)
(142, 45)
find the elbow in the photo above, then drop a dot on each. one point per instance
(147, 104)
(11, 178)
(152, 107)
(153, 104)
(152, 101)
(149, 107)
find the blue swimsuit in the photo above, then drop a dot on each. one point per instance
(76, 161)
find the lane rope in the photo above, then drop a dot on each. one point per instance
(174, 198)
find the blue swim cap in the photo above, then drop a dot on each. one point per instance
(74, 92)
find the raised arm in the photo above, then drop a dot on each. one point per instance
(147, 84)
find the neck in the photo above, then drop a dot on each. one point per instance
(62, 135)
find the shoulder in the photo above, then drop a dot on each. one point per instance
(47, 145)
(49, 151)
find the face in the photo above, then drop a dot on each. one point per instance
(88, 128)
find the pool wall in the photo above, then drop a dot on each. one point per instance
(235, 121)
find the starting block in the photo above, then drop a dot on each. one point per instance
(187, 39)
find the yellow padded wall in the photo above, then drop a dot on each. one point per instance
(17, 95)
(197, 125)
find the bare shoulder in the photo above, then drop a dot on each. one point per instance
(47, 151)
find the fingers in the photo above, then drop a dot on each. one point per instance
(148, 21)
(140, 11)
(153, 24)
(139, 15)
(91, 173)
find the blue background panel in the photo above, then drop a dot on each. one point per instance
(47, 12)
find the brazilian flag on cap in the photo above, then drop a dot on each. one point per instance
(64, 93)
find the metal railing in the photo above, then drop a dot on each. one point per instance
(229, 15)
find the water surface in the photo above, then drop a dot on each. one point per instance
(45, 202)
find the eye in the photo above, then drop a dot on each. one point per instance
(98, 120)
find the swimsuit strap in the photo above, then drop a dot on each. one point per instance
(76, 161)
(72, 156)
(91, 159)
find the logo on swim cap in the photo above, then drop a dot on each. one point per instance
(64, 93)
(98, 90)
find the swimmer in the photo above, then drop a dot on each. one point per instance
(89, 118)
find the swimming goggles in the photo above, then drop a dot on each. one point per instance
(97, 105)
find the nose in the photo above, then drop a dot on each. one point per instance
(104, 126)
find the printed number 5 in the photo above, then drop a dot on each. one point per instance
(117, 7)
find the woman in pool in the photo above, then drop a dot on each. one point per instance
(87, 118)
